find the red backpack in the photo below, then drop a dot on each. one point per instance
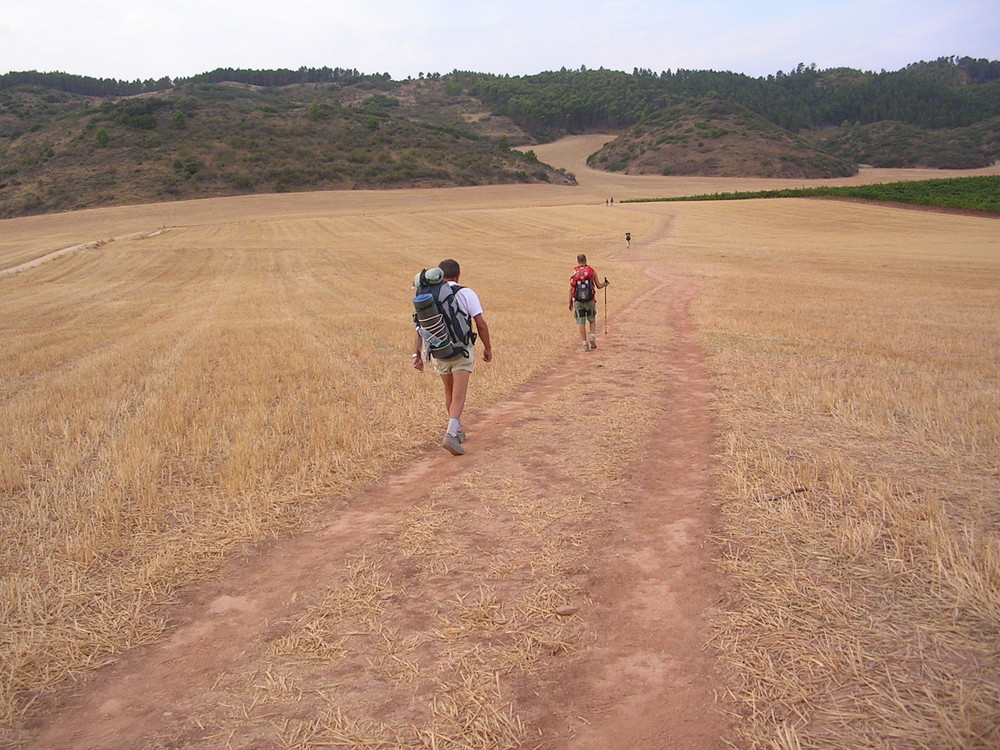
(583, 285)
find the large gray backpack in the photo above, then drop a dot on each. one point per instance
(438, 318)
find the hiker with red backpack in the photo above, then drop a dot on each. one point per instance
(583, 286)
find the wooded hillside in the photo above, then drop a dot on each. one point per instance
(946, 93)
(940, 114)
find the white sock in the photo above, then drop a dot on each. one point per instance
(453, 427)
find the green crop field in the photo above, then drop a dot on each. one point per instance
(971, 193)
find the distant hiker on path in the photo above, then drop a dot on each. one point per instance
(444, 329)
(628, 239)
(583, 286)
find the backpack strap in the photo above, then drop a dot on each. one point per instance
(456, 288)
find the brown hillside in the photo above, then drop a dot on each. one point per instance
(216, 139)
(900, 145)
(716, 139)
(442, 103)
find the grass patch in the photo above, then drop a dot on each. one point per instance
(969, 193)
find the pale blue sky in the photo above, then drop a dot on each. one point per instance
(128, 39)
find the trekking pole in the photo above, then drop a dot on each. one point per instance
(605, 305)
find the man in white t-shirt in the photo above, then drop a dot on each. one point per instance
(455, 372)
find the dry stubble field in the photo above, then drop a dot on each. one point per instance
(855, 352)
(169, 397)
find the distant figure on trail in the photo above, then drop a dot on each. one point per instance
(628, 239)
(455, 308)
(583, 300)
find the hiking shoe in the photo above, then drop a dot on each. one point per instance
(461, 435)
(452, 445)
(593, 341)
(586, 346)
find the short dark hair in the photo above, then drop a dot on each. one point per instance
(450, 267)
(581, 258)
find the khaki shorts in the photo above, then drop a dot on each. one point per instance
(448, 366)
(584, 311)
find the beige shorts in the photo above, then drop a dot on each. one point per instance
(448, 366)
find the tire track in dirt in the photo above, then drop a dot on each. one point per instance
(637, 674)
(662, 582)
(647, 681)
(53, 254)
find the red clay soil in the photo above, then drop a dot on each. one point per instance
(642, 676)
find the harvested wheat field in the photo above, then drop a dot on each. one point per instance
(763, 513)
